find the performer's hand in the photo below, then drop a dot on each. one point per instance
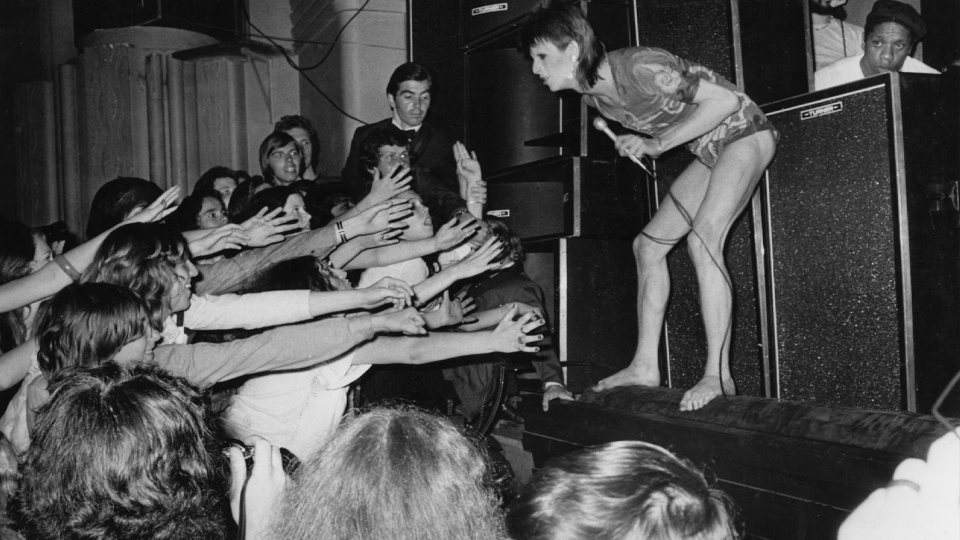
(634, 145)
(555, 391)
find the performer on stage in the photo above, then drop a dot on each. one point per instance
(673, 102)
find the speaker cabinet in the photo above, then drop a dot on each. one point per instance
(863, 272)
(597, 319)
(566, 197)
(511, 118)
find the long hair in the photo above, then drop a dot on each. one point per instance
(617, 491)
(512, 245)
(87, 323)
(187, 215)
(121, 453)
(241, 197)
(560, 22)
(401, 474)
(274, 141)
(369, 156)
(290, 121)
(17, 249)
(206, 180)
(270, 198)
(143, 257)
(116, 199)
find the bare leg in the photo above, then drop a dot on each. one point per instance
(732, 183)
(650, 248)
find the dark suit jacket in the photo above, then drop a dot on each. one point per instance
(435, 169)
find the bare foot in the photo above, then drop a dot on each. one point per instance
(704, 392)
(632, 375)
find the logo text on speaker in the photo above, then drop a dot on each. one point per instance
(490, 8)
(823, 110)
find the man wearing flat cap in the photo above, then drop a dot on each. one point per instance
(890, 35)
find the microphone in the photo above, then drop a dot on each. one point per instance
(601, 125)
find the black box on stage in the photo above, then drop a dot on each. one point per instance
(511, 117)
(861, 244)
(566, 196)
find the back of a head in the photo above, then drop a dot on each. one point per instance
(143, 257)
(87, 324)
(121, 453)
(117, 198)
(624, 490)
(401, 474)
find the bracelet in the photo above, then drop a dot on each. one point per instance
(341, 234)
(67, 268)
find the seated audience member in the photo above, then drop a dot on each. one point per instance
(493, 293)
(222, 180)
(624, 490)
(833, 37)
(303, 132)
(122, 453)
(401, 474)
(891, 35)
(299, 409)
(281, 159)
(922, 501)
(409, 94)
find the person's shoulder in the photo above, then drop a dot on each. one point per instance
(362, 131)
(842, 71)
(912, 65)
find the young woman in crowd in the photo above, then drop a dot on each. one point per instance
(306, 136)
(401, 474)
(281, 159)
(222, 180)
(122, 453)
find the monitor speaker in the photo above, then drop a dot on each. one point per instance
(861, 244)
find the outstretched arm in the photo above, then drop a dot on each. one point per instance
(509, 336)
(474, 264)
(50, 279)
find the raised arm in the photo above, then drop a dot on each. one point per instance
(50, 279)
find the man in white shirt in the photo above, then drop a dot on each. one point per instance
(891, 34)
(833, 38)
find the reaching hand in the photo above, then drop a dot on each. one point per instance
(479, 261)
(225, 237)
(263, 490)
(447, 313)
(389, 290)
(468, 169)
(369, 241)
(511, 335)
(158, 209)
(407, 321)
(555, 391)
(384, 188)
(378, 218)
(453, 233)
(265, 228)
